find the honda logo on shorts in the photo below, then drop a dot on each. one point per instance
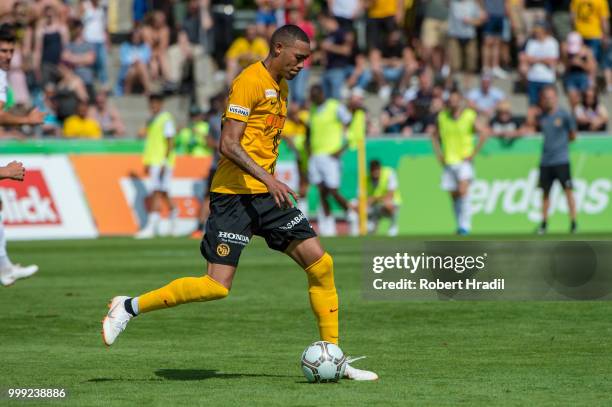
(233, 236)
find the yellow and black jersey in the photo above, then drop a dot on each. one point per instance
(258, 100)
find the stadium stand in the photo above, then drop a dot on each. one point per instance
(375, 45)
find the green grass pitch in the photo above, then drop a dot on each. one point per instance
(245, 349)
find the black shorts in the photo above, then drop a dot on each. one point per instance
(550, 173)
(234, 219)
(378, 31)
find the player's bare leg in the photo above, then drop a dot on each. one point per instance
(222, 273)
(303, 192)
(305, 252)
(545, 205)
(165, 197)
(327, 224)
(571, 204)
(339, 198)
(153, 217)
(202, 218)
(214, 285)
(351, 214)
(389, 209)
(319, 267)
(461, 207)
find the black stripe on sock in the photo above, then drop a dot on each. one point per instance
(128, 307)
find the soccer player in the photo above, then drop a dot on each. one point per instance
(158, 159)
(10, 272)
(453, 142)
(294, 134)
(329, 121)
(383, 197)
(247, 200)
(559, 129)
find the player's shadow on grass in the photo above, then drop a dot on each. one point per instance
(118, 379)
(203, 374)
(185, 375)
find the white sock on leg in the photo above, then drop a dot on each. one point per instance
(457, 209)
(353, 219)
(394, 228)
(331, 224)
(153, 221)
(321, 219)
(465, 214)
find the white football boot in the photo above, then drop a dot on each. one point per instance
(353, 373)
(151, 227)
(115, 321)
(146, 233)
(8, 275)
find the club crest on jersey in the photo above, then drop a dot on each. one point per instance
(239, 110)
(223, 250)
(271, 93)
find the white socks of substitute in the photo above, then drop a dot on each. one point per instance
(353, 220)
(463, 213)
(327, 223)
(152, 224)
(394, 227)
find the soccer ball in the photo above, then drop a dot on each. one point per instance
(323, 362)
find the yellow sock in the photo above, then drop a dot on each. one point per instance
(323, 297)
(183, 290)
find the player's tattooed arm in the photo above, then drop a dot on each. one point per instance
(230, 147)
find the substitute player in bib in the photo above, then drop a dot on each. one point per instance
(384, 197)
(158, 158)
(327, 141)
(247, 200)
(455, 130)
(10, 272)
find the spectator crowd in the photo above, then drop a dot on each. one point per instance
(407, 53)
